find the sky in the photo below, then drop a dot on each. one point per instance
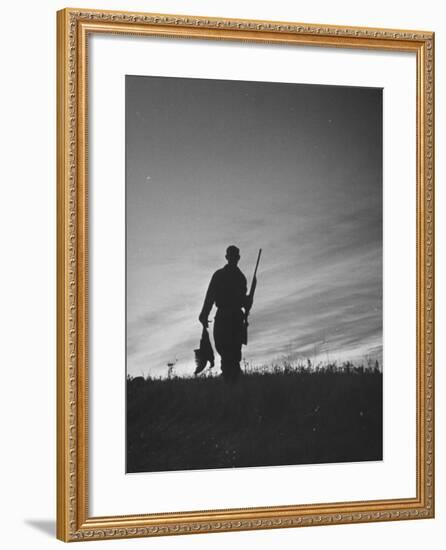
(294, 169)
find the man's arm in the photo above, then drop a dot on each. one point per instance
(208, 303)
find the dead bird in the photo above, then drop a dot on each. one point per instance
(204, 354)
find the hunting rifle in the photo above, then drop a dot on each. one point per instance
(250, 300)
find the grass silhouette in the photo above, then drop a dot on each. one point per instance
(278, 416)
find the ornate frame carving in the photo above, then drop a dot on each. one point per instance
(73, 520)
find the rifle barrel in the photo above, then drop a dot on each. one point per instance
(258, 261)
(255, 272)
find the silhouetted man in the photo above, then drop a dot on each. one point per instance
(227, 290)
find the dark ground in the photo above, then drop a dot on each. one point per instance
(265, 420)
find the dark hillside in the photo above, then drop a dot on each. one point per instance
(267, 419)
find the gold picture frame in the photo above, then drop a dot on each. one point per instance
(73, 520)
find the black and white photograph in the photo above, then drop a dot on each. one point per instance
(254, 274)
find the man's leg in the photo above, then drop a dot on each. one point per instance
(228, 343)
(235, 371)
(231, 368)
(225, 370)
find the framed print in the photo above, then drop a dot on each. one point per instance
(245, 274)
